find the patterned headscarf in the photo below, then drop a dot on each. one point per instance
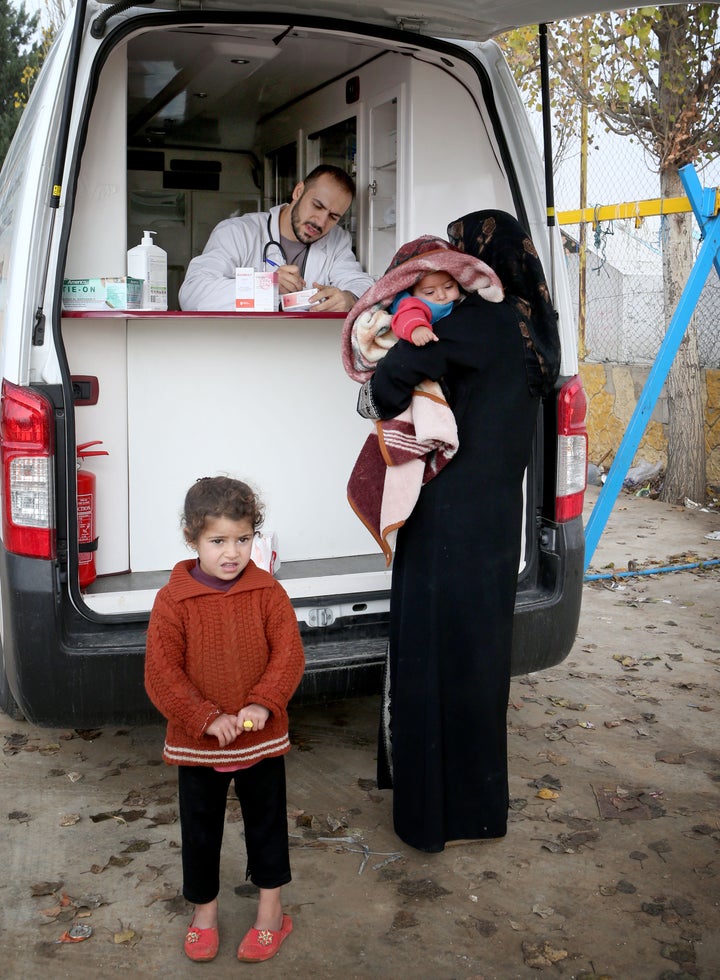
(498, 239)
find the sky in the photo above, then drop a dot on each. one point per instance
(619, 170)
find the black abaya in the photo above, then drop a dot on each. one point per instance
(454, 580)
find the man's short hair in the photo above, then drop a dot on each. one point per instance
(337, 173)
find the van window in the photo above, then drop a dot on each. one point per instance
(281, 174)
(337, 145)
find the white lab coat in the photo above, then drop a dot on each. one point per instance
(239, 242)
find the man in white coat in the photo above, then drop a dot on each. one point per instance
(300, 240)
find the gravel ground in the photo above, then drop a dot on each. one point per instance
(611, 866)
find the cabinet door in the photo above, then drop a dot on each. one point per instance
(337, 145)
(382, 190)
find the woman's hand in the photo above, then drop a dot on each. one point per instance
(252, 718)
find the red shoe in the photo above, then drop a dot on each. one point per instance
(261, 944)
(201, 944)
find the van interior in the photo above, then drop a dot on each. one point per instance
(189, 124)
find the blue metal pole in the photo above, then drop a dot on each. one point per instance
(707, 256)
(702, 200)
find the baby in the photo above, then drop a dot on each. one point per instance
(417, 308)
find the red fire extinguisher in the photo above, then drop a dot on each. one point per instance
(87, 541)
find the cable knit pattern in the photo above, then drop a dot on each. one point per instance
(211, 652)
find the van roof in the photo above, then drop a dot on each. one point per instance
(452, 19)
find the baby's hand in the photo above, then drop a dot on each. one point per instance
(252, 718)
(224, 729)
(421, 336)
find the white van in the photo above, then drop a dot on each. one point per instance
(171, 117)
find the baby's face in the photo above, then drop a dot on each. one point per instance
(437, 287)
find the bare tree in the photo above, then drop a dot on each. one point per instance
(53, 18)
(655, 76)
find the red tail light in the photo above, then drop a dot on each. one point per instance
(572, 451)
(26, 450)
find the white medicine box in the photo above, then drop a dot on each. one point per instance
(256, 291)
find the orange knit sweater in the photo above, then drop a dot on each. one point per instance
(211, 652)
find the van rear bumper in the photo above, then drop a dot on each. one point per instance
(60, 676)
(65, 671)
(547, 614)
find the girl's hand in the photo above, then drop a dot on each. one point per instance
(224, 729)
(252, 718)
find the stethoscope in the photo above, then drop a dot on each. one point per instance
(272, 243)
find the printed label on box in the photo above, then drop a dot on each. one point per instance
(244, 289)
(110, 293)
(266, 292)
(301, 300)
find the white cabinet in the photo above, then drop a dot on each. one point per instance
(383, 185)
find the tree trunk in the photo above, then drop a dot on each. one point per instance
(685, 474)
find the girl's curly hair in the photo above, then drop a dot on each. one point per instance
(219, 496)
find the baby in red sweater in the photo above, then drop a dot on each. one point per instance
(224, 657)
(415, 310)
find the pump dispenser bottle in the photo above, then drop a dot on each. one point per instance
(148, 261)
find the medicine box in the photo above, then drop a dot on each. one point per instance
(244, 289)
(298, 301)
(266, 291)
(109, 293)
(256, 291)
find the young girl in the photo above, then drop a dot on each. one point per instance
(224, 657)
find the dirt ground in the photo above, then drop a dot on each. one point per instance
(610, 869)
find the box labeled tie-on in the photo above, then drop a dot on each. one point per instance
(256, 291)
(109, 293)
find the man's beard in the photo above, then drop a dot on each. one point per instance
(297, 227)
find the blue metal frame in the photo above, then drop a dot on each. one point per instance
(702, 201)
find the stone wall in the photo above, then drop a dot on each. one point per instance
(613, 390)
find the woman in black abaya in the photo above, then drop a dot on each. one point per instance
(457, 556)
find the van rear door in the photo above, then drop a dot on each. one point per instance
(157, 142)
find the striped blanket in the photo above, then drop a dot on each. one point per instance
(398, 457)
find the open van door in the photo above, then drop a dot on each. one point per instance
(179, 119)
(474, 20)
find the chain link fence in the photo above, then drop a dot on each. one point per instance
(624, 320)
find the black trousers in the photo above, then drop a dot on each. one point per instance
(202, 793)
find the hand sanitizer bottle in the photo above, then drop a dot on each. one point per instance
(148, 261)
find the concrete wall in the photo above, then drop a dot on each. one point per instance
(613, 390)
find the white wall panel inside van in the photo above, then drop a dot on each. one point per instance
(258, 403)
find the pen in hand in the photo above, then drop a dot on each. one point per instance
(273, 264)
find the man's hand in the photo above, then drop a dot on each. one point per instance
(329, 299)
(289, 279)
